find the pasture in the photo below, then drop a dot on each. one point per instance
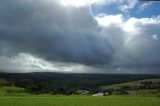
(79, 101)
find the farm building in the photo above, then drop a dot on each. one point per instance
(98, 94)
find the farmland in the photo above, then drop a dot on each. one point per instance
(79, 101)
(14, 92)
(14, 96)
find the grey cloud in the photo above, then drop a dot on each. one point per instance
(145, 48)
(136, 49)
(52, 32)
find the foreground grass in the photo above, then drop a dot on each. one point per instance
(79, 101)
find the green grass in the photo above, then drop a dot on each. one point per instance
(12, 91)
(15, 96)
(79, 101)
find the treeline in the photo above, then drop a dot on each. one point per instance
(66, 84)
(149, 85)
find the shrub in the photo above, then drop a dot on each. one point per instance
(14, 90)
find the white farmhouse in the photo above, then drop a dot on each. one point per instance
(98, 94)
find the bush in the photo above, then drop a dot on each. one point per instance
(14, 90)
(5, 83)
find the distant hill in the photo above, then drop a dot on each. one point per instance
(133, 84)
(141, 87)
(68, 83)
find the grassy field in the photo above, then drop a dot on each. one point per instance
(79, 101)
(15, 96)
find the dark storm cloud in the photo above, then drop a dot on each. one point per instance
(52, 32)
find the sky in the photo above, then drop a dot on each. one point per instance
(80, 36)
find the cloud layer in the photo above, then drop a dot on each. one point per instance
(57, 37)
(52, 32)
